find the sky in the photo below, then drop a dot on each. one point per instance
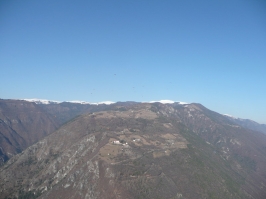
(208, 52)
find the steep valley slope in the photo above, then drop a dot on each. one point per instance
(21, 125)
(141, 151)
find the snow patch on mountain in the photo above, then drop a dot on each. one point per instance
(42, 101)
(168, 102)
(230, 116)
(106, 102)
(78, 102)
(163, 101)
(183, 103)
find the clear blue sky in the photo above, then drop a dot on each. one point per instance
(210, 52)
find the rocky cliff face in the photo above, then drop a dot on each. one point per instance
(21, 125)
(141, 151)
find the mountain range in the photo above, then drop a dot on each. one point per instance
(160, 149)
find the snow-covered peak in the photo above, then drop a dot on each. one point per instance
(168, 102)
(42, 101)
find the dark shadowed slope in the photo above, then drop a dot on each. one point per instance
(22, 124)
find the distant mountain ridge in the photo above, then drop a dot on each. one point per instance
(44, 101)
(247, 123)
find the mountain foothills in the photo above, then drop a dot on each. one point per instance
(128, 150)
